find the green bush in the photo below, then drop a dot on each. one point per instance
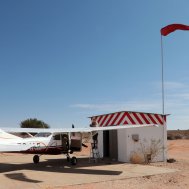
(33, 123)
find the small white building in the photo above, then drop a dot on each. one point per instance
(146, 143)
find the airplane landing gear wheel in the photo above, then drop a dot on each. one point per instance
(36, 159)
(73, 160)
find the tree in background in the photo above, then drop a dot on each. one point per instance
(33, 123)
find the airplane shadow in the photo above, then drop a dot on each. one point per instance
(21, 177)
(55, 165)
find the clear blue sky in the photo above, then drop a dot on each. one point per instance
(62, 61)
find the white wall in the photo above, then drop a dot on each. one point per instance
(127, 146)
(122, 145)
(100, 143)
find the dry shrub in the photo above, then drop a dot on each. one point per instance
(170, 137)
(186, 137)
(179, 137)
(137, 158)
(178, 134)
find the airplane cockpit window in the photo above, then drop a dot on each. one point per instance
(56, 137)
(42, 134)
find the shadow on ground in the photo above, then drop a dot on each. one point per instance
(58, 166)
(21, 177)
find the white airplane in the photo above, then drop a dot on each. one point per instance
(51, 141)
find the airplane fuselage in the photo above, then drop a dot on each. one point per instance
(42, 143)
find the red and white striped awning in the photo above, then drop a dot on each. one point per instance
(129, 118)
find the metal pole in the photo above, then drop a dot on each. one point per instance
(162, 78)
(163, 103)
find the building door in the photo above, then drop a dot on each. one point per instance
(110, 145)
(106, 143)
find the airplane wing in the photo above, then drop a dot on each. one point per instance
(37, 130)
(74, 130)
(108, 128)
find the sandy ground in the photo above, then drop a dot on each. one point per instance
(18, 171)
(177, 149)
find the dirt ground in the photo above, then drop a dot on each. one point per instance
(177, 149)
(53, 172)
